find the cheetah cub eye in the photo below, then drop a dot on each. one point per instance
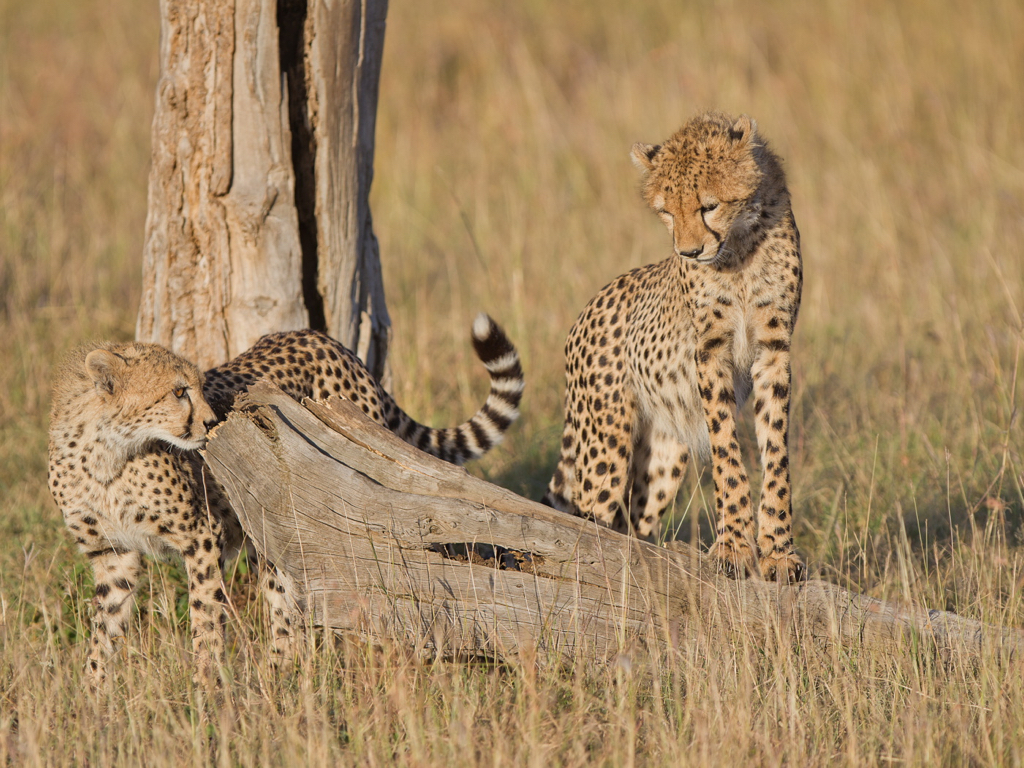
(179, 392)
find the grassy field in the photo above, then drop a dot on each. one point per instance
(503, 183)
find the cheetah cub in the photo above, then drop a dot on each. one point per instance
(661, 359)
(127, 421)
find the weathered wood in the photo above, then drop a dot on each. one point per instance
(344, 48)
(360, 521)
(258, 216)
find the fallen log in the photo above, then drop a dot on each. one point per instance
(387, 542)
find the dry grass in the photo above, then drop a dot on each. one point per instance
(503, 183)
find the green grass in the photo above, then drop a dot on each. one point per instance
(503, 183)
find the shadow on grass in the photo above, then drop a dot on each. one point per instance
(530, 473)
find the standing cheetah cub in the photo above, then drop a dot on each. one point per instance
(127, 420)
(661, 359)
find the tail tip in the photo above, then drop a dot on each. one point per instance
(482, 326)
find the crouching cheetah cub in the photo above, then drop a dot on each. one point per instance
(126, 423)
(660, 360)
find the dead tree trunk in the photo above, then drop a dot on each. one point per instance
(263, 141)
(386, 541)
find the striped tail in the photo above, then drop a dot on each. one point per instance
(474, 438)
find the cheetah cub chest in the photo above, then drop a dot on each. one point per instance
(661, 359)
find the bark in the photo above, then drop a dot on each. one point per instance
(375, 534)
(259, 218)
(344, 72)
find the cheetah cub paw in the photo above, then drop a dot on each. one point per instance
(736, 558)
(785, 568)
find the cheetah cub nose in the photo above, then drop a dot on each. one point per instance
(691, 254)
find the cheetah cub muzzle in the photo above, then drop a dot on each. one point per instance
(126, 423)
(661, 359)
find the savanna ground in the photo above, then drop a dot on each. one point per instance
(503, 183)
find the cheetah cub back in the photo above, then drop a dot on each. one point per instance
(661, 359)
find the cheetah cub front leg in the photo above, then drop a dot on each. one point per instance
(735, 545)
(772, 378)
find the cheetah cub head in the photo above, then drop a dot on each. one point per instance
(133, 395)
(150, 395)
(709, 184)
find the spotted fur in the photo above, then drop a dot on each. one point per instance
(661, 359)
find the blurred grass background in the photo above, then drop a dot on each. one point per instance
(503, 183)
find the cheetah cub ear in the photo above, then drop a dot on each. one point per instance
(104, 368)
(743, 130)
(643, 155)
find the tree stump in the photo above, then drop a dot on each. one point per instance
(387, 542)
(259, 216)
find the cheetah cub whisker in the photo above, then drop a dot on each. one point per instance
(661, 359)
(125, 425)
